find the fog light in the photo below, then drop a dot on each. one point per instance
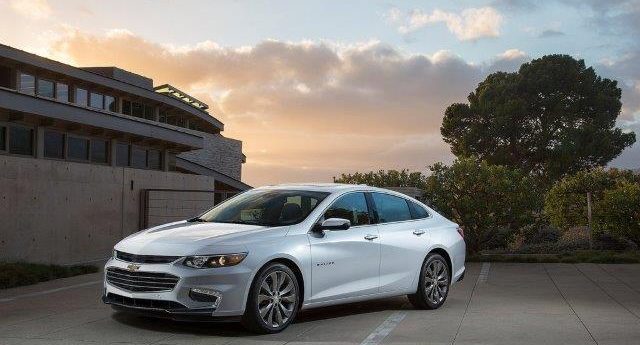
(205, 295)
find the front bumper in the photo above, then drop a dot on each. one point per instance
(231, 283)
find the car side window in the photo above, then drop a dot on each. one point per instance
(417, 211)
(353, 207)
(391, 208)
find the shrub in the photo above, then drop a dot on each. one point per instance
(615, 205)
(489, 201)
(618, 213)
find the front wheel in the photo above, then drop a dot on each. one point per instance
(433, 286)
(273, 300)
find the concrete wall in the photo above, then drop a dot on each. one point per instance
(163, 206)
(220, 154)
(63, 212)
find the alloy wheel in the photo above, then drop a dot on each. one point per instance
(277, 298)
(436, 281)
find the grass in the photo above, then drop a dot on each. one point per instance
(578, 256)
(14, 274)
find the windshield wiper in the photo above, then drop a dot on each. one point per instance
(197, 219)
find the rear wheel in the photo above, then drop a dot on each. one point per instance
(273, 300)
(433, 286)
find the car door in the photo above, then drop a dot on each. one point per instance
(404, 240)
(345, 263)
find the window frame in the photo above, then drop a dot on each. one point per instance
(5, 129)
(35, 83)
(56, 89)
(8, 139)
(372, 215)
(53, 87)
(64, 144)
(108, 149)
(67, 146)
(411, 219)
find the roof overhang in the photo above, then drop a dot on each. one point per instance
(218, 176)
(173, 92)
(23, 57)
(13, 101)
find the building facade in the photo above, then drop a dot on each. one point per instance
(90, 155)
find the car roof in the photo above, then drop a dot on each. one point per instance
(332, 188)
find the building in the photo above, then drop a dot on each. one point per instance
(90, 155)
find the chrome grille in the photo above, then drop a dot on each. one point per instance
(145, 259)
(137, 281)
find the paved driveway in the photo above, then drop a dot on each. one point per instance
(496, 304)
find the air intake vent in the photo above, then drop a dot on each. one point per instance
(145, 259)
(141, 281)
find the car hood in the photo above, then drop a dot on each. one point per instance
(185, 238)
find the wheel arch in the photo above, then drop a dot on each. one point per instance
(442, 252)
(296, 270)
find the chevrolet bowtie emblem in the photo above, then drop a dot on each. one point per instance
(132, 267)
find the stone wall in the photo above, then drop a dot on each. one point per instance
(220, 154)
(64, 212)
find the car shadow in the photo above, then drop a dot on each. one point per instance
(235, 329)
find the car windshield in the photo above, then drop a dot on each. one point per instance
(265, 207)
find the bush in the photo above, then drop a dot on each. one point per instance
(14, 274)
(566, 202)
(618, 213)
(489, 201)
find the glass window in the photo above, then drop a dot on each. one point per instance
(155, 159)
(96, 100)
(99, 151)
(353, 207)
(45, 88)
(5, 77)
(3, 138)
(53, 145)
(138, 157)
(126, 107)
(149, 112)
(81, 97)
(266, 208)
(163, 116)
(78, 148)
(110, 104)
(417, 211)
(122, 155)
(27, 83)
(62, 92)
(21, 140)
(391, 208)
(137, 109)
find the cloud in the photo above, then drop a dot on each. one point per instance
(550, 33)
(33, 9)
(470, 24)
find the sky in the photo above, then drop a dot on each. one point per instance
(319, 88)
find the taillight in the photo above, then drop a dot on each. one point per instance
(461, 231)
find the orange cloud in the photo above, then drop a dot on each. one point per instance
(305, 111)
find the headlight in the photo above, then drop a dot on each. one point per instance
(212, 261)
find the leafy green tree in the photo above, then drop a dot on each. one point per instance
(382, 178)
(553, 117)
(486, 200)
(566, 202)
(618, 212)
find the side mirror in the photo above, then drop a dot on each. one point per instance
(334, 224)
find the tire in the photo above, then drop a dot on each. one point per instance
(269, 312)
(430, 295)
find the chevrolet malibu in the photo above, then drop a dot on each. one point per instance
(267, 253)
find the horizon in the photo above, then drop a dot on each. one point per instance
(313, 98)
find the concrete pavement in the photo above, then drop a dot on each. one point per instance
(498, 303)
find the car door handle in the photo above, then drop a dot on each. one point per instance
(370, 237)
(418, 232)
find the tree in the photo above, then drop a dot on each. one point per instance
(553, 117)
(486, 200)
(382, 178)
(566, 202)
